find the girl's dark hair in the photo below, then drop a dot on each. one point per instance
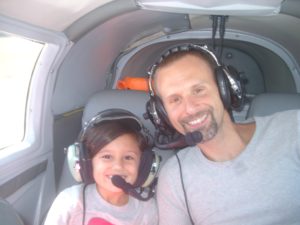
(103, 133)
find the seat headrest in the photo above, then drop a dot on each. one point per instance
(269, 103)
(133, 101)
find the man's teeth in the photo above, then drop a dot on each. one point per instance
(198, 120)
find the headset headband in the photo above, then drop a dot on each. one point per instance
(178, 48)
(113, 115)
(230, 87)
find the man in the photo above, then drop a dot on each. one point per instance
(240, 173)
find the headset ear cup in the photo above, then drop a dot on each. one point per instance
(151, 112)
(86, 168)
(144, 167)
(148, 168)
(223, 86)
(157, 114)
(73, 161)
(161, 113)
(237, 88)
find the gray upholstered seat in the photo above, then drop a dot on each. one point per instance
(269, 103)
(134, 101)
(8, 215)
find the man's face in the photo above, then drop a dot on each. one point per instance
(190, 96)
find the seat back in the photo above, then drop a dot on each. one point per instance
(269, 103)
(133, 101)
(8, 214)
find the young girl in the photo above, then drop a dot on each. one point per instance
(111, 144)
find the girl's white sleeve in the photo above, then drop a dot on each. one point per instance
(59, 212)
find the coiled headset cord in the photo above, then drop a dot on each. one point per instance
(183, 188)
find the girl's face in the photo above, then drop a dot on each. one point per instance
(119, 157)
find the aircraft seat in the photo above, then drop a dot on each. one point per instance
(133, 101)
(8, 214)
(268, 103)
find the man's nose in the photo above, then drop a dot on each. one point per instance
(190, 104)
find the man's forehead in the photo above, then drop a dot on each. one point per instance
(187, 62)
(187, 58)
(196, 69)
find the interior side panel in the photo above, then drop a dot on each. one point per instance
(30, 200)
(66, 130)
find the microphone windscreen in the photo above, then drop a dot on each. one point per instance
(193, 138)
(119, 182)
(99, 221)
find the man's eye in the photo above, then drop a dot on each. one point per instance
(174, 100)
(198, 90)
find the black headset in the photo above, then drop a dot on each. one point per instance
(80, 164)
(230, 85)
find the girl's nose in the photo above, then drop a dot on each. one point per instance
(118, 163)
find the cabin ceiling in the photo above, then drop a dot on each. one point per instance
(102, 30)
(54, 15)
(61, 15)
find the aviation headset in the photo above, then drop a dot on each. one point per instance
(231, 88)
(80, 164)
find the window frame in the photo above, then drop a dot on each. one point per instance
(38, 114)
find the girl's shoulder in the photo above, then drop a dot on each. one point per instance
(73, 192)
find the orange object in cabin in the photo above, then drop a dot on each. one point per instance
(133, 83)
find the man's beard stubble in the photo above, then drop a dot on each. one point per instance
(209, 131)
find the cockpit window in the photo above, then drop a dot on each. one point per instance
(18, 57)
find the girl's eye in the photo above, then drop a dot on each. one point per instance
(129, 157)
(106, 157)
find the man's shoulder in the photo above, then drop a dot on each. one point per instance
(288, 115)
(279, 122)
(172, 163)
(290, 112)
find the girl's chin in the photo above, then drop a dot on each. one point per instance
(111, 191)
(115, 189)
